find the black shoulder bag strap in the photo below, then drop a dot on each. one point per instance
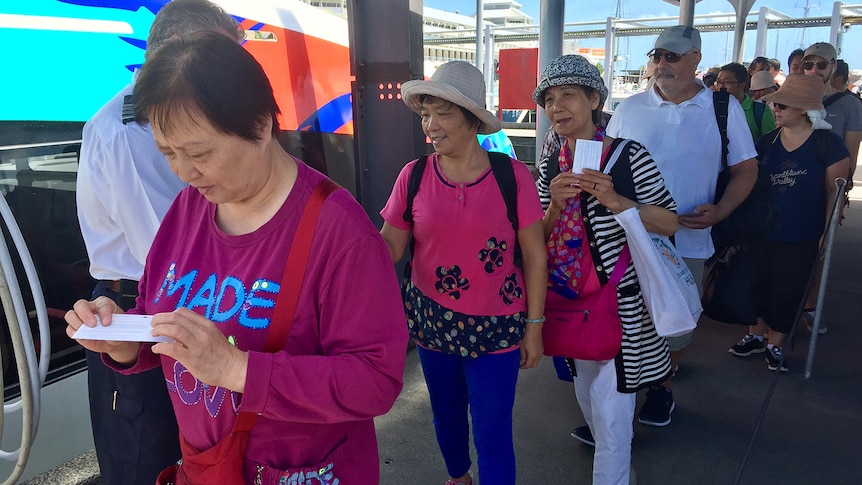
(501, 167)
(758, 109)
(833, 98)
(721, 100)
(552, 166)
(413, 186)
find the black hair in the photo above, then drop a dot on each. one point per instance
(775, 63)
(842, 70)
(206, 73)
(709, 79)
(759, 60)
(794, 54)
(738, 71)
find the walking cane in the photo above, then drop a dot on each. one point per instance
(840, 183)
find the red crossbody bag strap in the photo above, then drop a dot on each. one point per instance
(291, 281)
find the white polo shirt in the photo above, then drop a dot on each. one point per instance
(124, 188)
(684, 141)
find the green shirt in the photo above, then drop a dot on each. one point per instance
(767, 123)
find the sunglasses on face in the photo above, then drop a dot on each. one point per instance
(821, 65)
(669, 57)
(779, 106)
(723, 82)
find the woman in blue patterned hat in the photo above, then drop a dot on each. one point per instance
(584, 242)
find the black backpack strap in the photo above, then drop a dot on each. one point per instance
(721, 101)
(128, 113)
(764, 145)
(833, 98)
(501, 167)
(822, 146)
(758, 109)
(413, 186)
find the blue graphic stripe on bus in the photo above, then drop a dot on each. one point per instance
(130, 5)
(330, 117)
(139, 43)
(256, 26)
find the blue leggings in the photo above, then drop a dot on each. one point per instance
(487, 385)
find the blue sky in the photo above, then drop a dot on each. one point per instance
(716, 46)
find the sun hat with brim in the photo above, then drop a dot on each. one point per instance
(570, 70)
(459, 83)
(762, 80)
(799, 91)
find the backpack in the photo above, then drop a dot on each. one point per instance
(504, 174)
(753, 219)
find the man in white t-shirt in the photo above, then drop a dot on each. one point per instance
(124, 188)
(675, 121)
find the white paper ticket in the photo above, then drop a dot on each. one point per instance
(588, 154)
(123, 328)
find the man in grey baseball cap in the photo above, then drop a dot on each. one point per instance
(675, 120)
(678, 39)
(842, 112)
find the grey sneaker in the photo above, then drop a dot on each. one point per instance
(748, 345)
(808, 317)
(773, 359)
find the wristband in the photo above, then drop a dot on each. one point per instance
(535, 320)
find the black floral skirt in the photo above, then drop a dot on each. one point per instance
(436, 327)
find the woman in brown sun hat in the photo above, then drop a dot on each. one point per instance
(803, 162)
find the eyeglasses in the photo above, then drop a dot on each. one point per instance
(779, 106)
(821, 65)
(721, 82)
(669, 57)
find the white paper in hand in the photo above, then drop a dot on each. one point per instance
(588, 154)
(123, 328)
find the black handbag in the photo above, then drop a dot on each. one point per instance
(731, 282)
(753, 219)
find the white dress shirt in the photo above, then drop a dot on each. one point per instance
(124, 188)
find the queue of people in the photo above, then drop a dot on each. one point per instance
(274, 361)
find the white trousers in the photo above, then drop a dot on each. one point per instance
(609, 414)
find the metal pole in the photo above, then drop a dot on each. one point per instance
(741, 7)
(840, 183)
(760, 43)
(480, 27)
(489, 69)
(610, 55)
(686, 12)
(836, 26)
(551, 14)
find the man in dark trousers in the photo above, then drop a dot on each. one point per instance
(124, 188)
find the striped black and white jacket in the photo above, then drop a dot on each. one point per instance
(644, 358)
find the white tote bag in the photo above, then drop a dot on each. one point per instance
(668, 287)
